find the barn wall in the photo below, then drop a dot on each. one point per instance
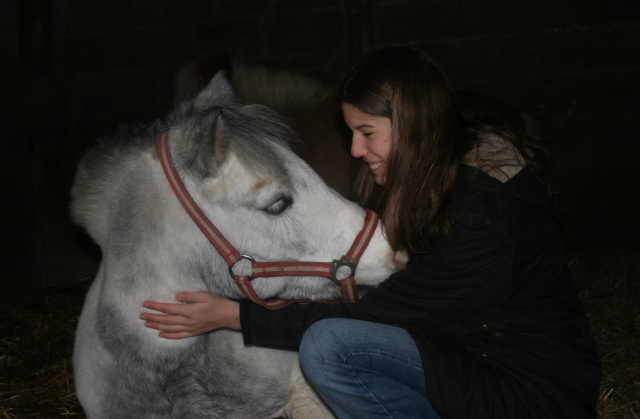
(73, 70)
(573, 65)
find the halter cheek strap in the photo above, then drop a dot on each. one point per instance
(340, 271)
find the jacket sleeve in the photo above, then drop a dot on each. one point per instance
(461, 276)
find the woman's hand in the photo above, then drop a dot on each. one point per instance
(195, 314)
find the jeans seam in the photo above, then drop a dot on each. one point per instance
(369, 391)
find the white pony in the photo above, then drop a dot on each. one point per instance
(236, 164)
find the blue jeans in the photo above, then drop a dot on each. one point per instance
(365, 370)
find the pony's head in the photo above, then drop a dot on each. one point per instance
(236, 162)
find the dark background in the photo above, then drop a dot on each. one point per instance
(72, 70)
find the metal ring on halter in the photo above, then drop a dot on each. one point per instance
(247, 257)
(337, 265)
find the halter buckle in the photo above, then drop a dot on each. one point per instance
(245, 257)
(341, 269)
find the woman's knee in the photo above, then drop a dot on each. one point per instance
(316, 336)
(321, 343)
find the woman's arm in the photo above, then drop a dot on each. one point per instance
(460, 277)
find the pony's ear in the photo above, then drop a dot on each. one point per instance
(204, 147)
(218, 92)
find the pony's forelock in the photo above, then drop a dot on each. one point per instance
(249, 131)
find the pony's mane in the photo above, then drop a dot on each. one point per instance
(278, 89)
(281, 90)
(250, 133)
(110, 151)
(254, 129)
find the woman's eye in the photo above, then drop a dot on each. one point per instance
(279, 206)
(367, 134)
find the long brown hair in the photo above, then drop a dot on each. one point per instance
(401, 83)
(430, 139)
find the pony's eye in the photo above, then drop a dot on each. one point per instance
(279, 206)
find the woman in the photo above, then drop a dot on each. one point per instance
(484, 322)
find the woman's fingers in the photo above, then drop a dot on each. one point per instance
(166, 308)
(181, 308)
(168, 319)
(176, 335)
(165, 327)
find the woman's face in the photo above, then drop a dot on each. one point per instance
(370, 139)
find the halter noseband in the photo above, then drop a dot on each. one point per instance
(340, 271)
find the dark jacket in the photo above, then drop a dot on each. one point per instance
(492, 309)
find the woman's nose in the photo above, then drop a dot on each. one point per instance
(357, 147)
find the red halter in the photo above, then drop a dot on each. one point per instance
(331, 270)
